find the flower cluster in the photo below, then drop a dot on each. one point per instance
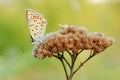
(73, 39)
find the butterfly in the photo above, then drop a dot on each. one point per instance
(36, 23)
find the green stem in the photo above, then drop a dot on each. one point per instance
(60, 57)
(73, 60)
(82, 63)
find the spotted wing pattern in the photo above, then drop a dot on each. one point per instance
(37, 24)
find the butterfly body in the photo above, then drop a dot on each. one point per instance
(37, 25)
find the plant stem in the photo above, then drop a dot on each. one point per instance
(66, 60)
(82, 63)
(73, 60)
(60, 57)
(64, 68)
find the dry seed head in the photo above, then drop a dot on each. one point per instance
(71, 38)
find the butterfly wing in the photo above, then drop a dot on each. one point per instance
(37, 24)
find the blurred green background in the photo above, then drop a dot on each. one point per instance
(16, 61)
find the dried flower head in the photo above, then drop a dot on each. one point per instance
(71, 38)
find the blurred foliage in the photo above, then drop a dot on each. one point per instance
(16, 62)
